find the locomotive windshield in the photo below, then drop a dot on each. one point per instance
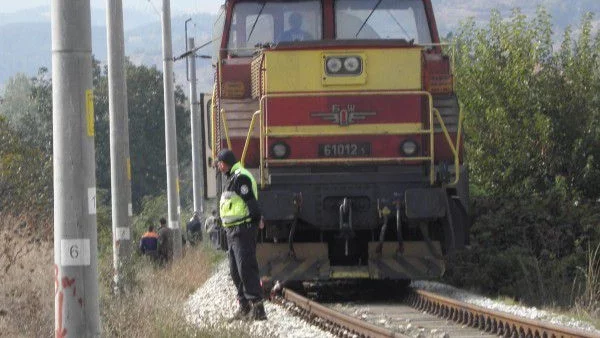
(258, 23)
(382, 19)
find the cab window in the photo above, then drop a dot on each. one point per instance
(218, 33)
(259, 23)
(382, 19)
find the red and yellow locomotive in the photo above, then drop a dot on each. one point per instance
(345, 112)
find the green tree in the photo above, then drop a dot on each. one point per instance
(533, 143)
(25, 175)
(146, 130)
(532, 114)
(27, 107)
(26, 139)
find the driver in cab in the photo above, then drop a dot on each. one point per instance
(295, 32)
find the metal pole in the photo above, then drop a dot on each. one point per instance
(203, 148)
(117, 96)
(170, 131)
(187, 65)
(76, 307)
(196, 134)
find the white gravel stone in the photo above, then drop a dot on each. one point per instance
(215, 302)
(517, 310)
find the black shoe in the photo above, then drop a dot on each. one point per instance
(242, 312)
(258, 311)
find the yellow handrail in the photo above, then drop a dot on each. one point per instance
(433, 114)
(261, 170)
(250, 130)
(225, 128)
(453, 148)
(213, 109)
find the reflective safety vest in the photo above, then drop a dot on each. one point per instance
(233, 209)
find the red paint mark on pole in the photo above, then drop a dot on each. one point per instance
(55, 279)
(80, 301)
(67, 282)
(60, 331)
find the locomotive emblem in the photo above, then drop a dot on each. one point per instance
(343, 116)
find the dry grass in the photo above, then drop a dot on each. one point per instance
(587, 305)
(152, 308)
(154, 305)
(26, 277)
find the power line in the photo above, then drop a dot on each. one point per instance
(154, 7)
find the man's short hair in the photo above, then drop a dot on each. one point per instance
(163, 221)
(151, 228)
(227, 156)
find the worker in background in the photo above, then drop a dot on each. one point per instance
(212, 228)
(165, 242)
(149, 243)
(194, 229)
(240, 215)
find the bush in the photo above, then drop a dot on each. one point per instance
(534, 250)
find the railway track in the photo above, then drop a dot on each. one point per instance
(490, 321)
(423, 314)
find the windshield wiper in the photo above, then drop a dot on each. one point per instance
(367, 19)
(399, 25)
(256, 20)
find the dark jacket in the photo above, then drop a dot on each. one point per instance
(149, 243)
(165, 243)
(194, 230)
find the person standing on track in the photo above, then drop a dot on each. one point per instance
(240, 215)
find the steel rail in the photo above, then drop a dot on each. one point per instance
(495, 322)
(339, 323)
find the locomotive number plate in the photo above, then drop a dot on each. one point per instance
(345, 150)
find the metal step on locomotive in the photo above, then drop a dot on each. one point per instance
(345, 112)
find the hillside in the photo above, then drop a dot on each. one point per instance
(25, 35)
(27, 45)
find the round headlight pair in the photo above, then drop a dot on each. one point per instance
(349, 64)
(280, 150)
(409, 148)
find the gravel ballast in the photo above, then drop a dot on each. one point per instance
(214, 303)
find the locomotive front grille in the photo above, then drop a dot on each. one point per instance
(256, 76)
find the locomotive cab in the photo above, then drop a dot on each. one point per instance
(345, 112)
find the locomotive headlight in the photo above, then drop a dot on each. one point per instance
(334, 64)
(409, 148)
(352, 64)
(280, 150)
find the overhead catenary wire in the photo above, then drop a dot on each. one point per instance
(154, 7)
(192, 51)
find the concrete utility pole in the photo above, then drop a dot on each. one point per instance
(170, 131)
(119, 140)
(197, 134)
(77, 312)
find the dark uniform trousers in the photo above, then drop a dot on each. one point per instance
(243, 266)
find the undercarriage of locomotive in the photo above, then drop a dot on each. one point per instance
(375, 225)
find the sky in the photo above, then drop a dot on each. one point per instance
(177, 6)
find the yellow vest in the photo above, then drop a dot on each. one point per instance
(233, 209)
